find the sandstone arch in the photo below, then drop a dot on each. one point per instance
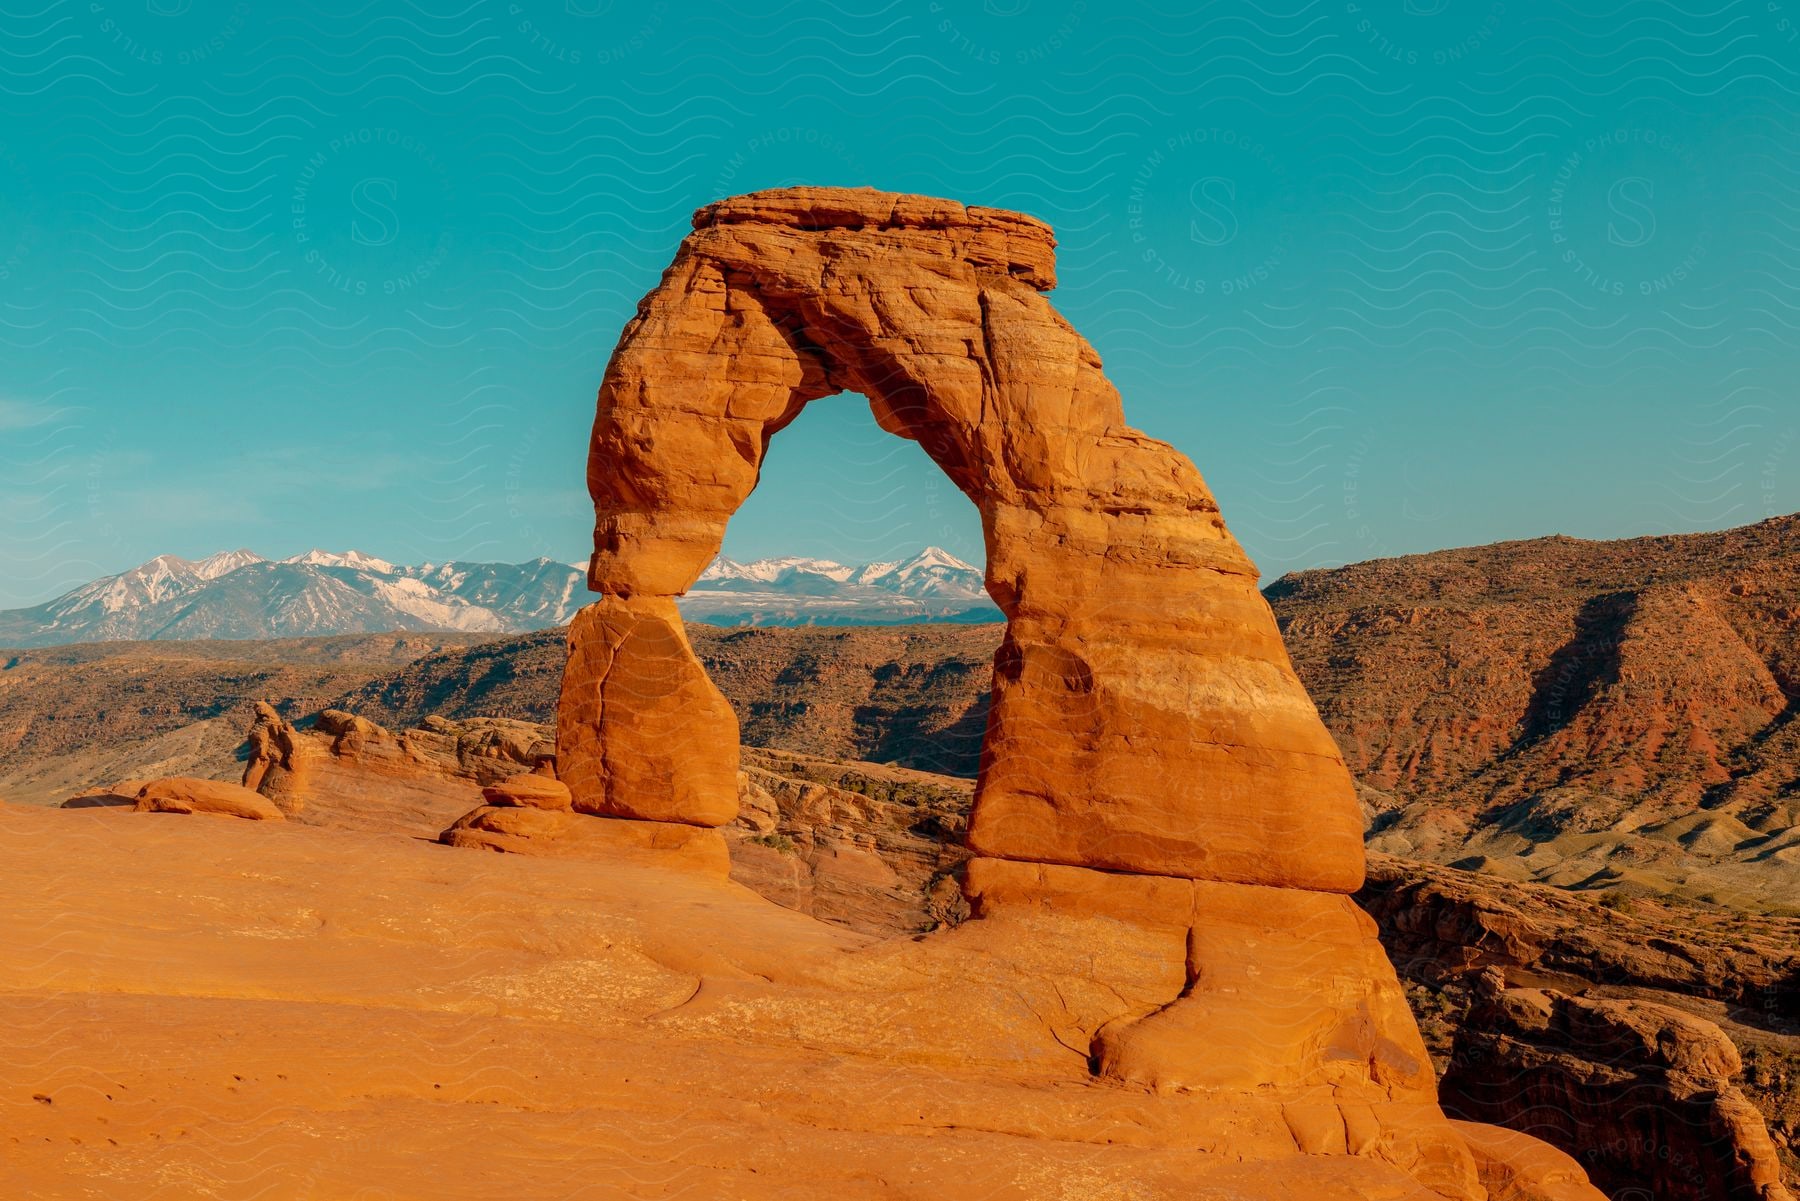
(1145, 716)
(1161, 816)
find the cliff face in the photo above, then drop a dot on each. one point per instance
(1645, 1096)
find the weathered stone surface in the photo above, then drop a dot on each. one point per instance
(348, 772)
(870, 847)
(566, 835)
(640, 731)
(1646, 1095)
(1282, 986)
(184, 794)
(1517, 1167)
(528, 792)
(1145, 716)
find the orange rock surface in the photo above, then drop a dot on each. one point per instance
(183, 794)
(1164, 992)
(307, 1012)
(347, 772)
(640, 731)
(1145, 716)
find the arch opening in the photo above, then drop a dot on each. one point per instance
(835, 486)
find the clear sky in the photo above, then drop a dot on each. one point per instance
(1397, 274)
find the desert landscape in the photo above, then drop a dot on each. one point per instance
(1469, 874)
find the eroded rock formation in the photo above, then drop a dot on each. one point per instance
(1145, 717)
(1151, 765)
(348, 772)
(1645, 1096)
(185, 794)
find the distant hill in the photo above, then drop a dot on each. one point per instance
(915, 695)
(71, 716)
(1585, 713)
(239, 594)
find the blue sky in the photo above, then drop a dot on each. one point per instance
(1397, 274)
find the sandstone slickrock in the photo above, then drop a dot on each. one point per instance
(1644, 1095)
(1144, 718)
(537, 1027)
(184, 794)
(563, 834)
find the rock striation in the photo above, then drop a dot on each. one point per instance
(185, 794)
(1155, 788)
(345, 771)
(1585, 714)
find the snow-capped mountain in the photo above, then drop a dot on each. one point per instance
(768, 571)
(933, 585)
(240, 594)
(353, 559)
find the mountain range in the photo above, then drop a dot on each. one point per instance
(933, 585)
(240, 594)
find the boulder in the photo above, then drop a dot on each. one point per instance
(186, 794)
(564, 834)
(348, 772)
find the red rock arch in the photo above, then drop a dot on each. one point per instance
(1145, 716)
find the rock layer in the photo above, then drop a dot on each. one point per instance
(185, 794)
(1145, 717)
